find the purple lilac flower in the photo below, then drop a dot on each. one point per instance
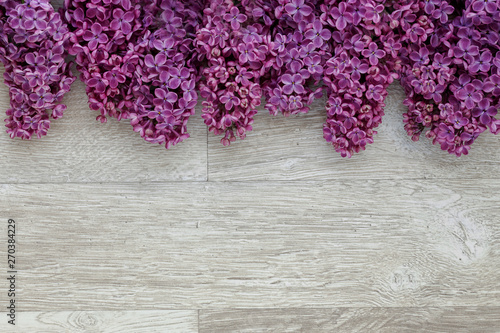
(135, 59)
(456, 97)
(358, 72)
(298, 9)
(234, 49)
(33, 51)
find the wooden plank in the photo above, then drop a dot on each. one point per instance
(255, 245)
(161, 321)
(349, 320)
(293, 148)
(80, 149)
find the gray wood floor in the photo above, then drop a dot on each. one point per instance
(276, 233)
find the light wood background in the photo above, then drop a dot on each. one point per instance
(276, 233)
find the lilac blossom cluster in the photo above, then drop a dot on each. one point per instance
(234, 48)
(357, 75)
(33, 42)
(134, 57)
(301, 49)
(451, 69)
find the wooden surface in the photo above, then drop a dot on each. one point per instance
(276, 233)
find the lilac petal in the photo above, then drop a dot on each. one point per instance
(126, 27)
(286, 79)
(149, 60)
(299, 89)
(306, 10)
(287, 89)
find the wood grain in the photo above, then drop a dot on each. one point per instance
(150, 321)
(80, 149)
(293, 148)
(249, 244)
(353, 320)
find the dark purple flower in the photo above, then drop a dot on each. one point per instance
(465, 49)
(457, 120)
(446, 132)
(298, 9)
(442, 12)
(492, 85)
(122, 21)
(156, 62)
(484, 111)
(42, 98)
(469, 95)
(95, 36)
(292, 84)
(317, 34)
(114, 78)
(357, 67)
(481, 63)
(177, 76)
(164, 98)
(374, 92)
(373, 53)
(279, 99)
(356, 135)
(229, 100)
(489, 5)
(35, 19)
(235, 18)
(342, 15)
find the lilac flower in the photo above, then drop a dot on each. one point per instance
(31, 122)
(246, 53)
(457, 88)
(492, 85)
(317, 34)
(279, 99)
(295, 102)
(357, 68)
(95, 36)
(415, 33)
(465, 49)
(114, 78)
(298, 9)
(374, 92)
(42, 98)
(484, 112)
(170, 21)
(342, 15)
(229, 101)
(35, 19)
(292, 83)
(481, 63)
(177, 76)
(38, 62)
(122, 21)
(164, 98)
(420, 58)
(442, 12)
(156, 62)
(188, 86)
(469, 95)
(446, 132)
(373, 53)
(314, 64)
(457, 120)
(98, 83)
(488, 5)
(235, 18)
